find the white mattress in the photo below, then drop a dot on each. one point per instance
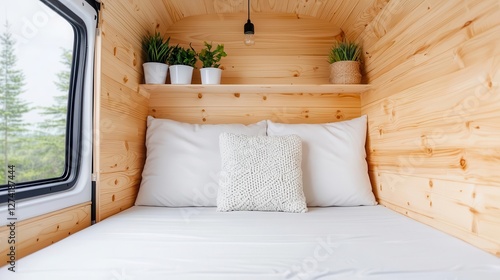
(369, 242)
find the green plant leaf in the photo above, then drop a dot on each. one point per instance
(155, 48)
(211, 58)
(344, 50)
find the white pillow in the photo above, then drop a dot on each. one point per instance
(334, 166)
(261, 173)
(183, 162)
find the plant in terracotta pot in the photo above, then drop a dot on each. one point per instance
(156, 52)
(210, 71)
(344, 59)
(182, 61)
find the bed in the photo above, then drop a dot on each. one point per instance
(259, 201)
(368, 242)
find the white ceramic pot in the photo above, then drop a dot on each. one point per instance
(210, 76)
(181, 74)
(155, 72)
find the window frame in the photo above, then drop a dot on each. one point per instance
(74, 185)
(73, 118)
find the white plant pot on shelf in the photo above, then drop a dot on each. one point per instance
(181, 74)
(210, 76)
(155, 72)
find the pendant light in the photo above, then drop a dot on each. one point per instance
(249, 30)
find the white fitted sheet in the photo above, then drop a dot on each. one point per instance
(369, 242)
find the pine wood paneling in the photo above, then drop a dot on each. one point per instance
(348, 14)
(433, 114)
(39, 232)
(203, 104)
(289, 49)
(248, 115)
(122, 109)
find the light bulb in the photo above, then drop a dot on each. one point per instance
(249, 31)
(249, 40)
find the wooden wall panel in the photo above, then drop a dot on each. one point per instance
(434, 113)
(288, 49)
(253, 107)
(121, 109)
(339, 13)
(39, 232)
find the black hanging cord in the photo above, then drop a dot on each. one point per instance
(248, 27)
(248, 9)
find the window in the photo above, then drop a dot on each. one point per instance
(46, 53)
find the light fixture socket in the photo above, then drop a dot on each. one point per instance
(249, 28)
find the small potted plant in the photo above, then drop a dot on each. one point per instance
(210, 71)
(344, 59)
(182, 61)
(156, 52)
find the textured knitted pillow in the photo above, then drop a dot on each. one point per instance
(260, 173)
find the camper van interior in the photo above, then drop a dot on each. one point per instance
(283, 167)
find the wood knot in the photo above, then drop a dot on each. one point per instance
(125, 79)
(467, 23)
(114, 51)
(113, 198)
(431, 184)
(463, 163)
(116, 181)
(339, 115)
(204, 119)
(200, 96)
(237, 95)
(153, 110)
(264, 98)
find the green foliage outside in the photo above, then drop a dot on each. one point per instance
(37, 150)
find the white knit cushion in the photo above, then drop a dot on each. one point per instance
(183, 162)
(334, 161)
(261, 173)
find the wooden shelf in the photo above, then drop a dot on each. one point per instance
(256, 88)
